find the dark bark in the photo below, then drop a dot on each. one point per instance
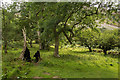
(67, 37)
(43, 45)
(88, 47)
(56, 53)
(5, 47)
(90, 50)
(31, 43)
(105, 52)
(47, 47)
(36, 41)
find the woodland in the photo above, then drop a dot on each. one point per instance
(60, 40)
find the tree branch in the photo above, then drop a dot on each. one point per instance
(67, 37)
(68, 18)
(86, 16)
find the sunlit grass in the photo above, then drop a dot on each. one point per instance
(73, 63)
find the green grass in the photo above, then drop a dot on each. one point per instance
(73, 63)
(0, 65)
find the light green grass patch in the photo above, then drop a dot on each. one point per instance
(73, 63)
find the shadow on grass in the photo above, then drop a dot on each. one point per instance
(45, 50)
(81, 52)
(69, 57)
(111, 56)
(92, 53)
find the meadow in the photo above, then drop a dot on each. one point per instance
(75, 62)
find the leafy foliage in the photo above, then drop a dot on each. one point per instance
(108, 40)
(88, 38)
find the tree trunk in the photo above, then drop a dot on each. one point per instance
(36, 41)
(25, 44)
(90, 50)
(31, 43)
(47, 47)
(105, 52)
(40, 45)
(43, 45)
(4, 35)
(56, 53)
(5, 47)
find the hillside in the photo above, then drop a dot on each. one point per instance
(75, 60)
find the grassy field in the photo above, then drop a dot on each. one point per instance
(73, 63)
(0, 64)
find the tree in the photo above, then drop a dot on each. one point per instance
(88, 37)
(8, 26)
(32, 13)
(63, 15)
(50, 20)
(108, 40)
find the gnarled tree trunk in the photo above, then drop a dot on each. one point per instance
(56, 53)
(89, 47)
(105, 52)
(90, 50)
(25, 44)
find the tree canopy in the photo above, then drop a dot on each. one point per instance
(50, 22)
